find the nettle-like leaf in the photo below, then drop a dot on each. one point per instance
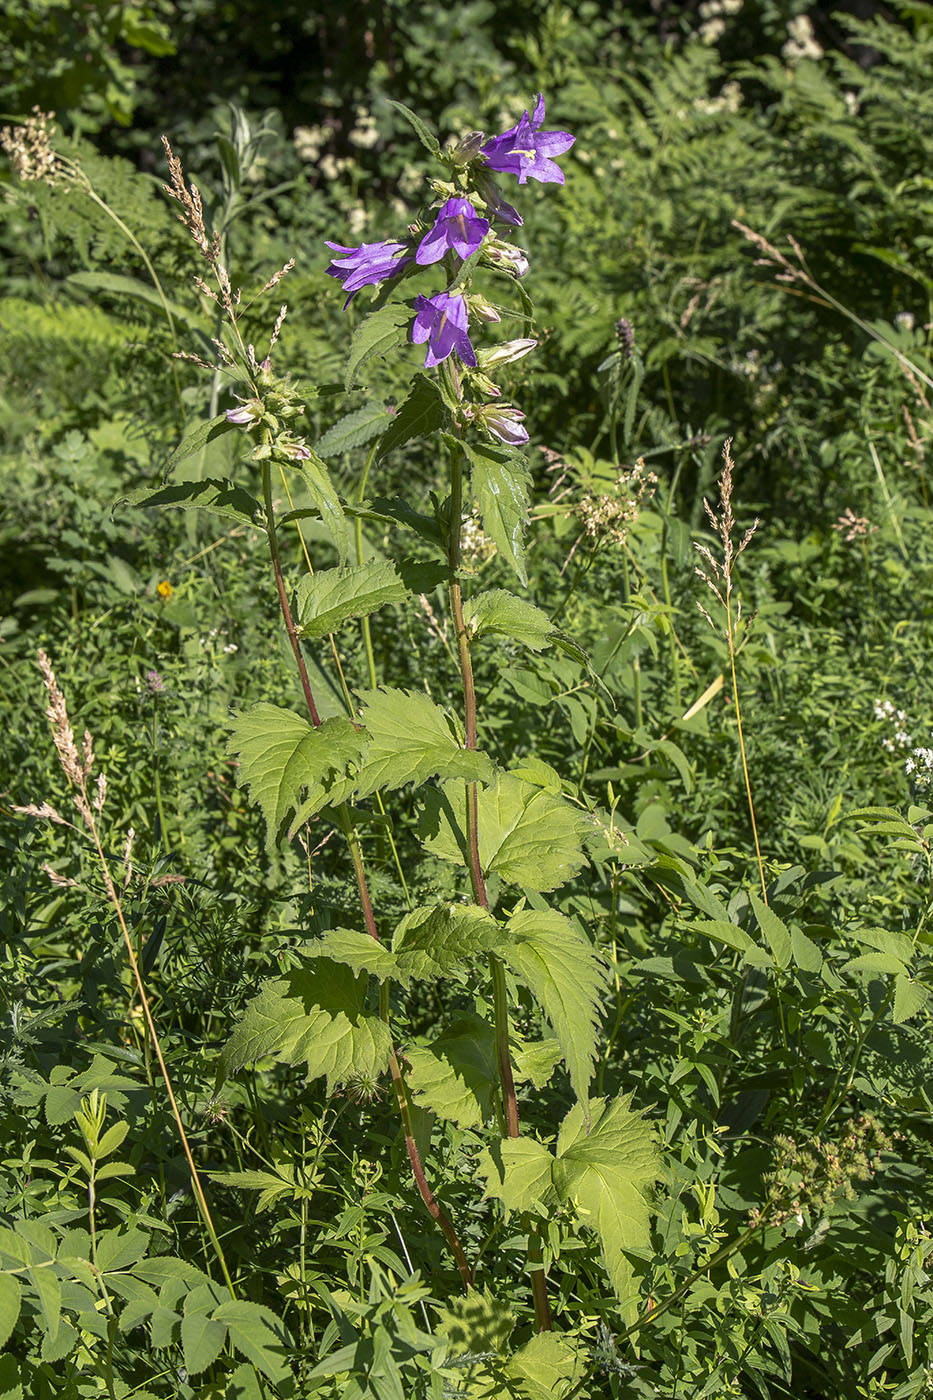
(282, 755)
(325, 499)
(379, 333)
(456, 1075)
(328, 598)
(421, 414)
(560, 968)
(356, 429)
(411, 741)
(501, 613)
(501, 482)
(217, 497)
(313, 1015)
(607, 1170)
(10, 1299)
(547, 1367)
(437, 941)
(527, 836)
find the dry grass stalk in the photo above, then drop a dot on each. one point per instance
(78, 768)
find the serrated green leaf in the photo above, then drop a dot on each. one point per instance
(421, 129)
(774, 930)
(501, 482)
(270, 1187)
(314, 1014)
(281, 754)
(898, 945)
(213, 495)
(10, 1300)
(354, 430)
(421, 414)
(560, 968)
(325, 499)
(202, 1341)
(457, 1074)
(721, 931)
(118, 1248)
(331, 596)
(910, 997)
(380, 332)
(517, 1172)
(257, 1334)
(437, 940)
(479, 1322)
(536, 1061)
(885, 963)
(10, 1380)
(197, 440)
(502, 614)
(411, 741)
(360, 952)
(527, 836)
(608, 1172)
(546, 1368)
(49, 1291)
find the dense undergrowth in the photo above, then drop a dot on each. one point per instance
(721, 1059)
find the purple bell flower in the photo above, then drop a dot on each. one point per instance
(442, 321)
(527, 151)
(457, 226)
(366, 265)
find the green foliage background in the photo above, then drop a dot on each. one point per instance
(783, 1059)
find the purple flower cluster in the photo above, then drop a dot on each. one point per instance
(442, 320)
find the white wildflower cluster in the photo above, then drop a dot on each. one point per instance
(364, 134)
(614, 515)
(802, 42)
(729, 99)
(918, 758)
(475, 545)
(228, 647)
(309, 141)
(712, 13)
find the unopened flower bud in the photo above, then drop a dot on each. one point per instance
(506, 257)
(294, 451)
(467, 148)
(504, 424)
(246, 415)
(505, 353)
(482, 309)
(484, 384)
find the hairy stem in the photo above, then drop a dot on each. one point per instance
(346, 825)
(496, 967)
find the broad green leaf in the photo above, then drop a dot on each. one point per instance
(437, 940)
(325, 499)
(527, 836)
(215, 496)
(197, 440)
(721, 931)
(244, 1384)
(774, 930)
(876, 962)
(898, 945)
(421, 129)
(202, 1340)
(607, 1173)
(909, 998)
(411, 741)
(503, 614)
(331, 596)
(10, 1380)
(517, 1172)
(116, 1249)
(457, 1074)
(269, 1186)
(536, 1061)
(10, 1299)
(478, 1322)
(314, 1014)
(501, 481)
(380, 332)
(49, 1289)
(546, 1368)
(806, 953)
(361, 952)
(355, 430)
(257, 1334)
(422, 414)
(281, 755)
(560, 968)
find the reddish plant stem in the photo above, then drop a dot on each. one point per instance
(477, 879)
(431, 1203)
